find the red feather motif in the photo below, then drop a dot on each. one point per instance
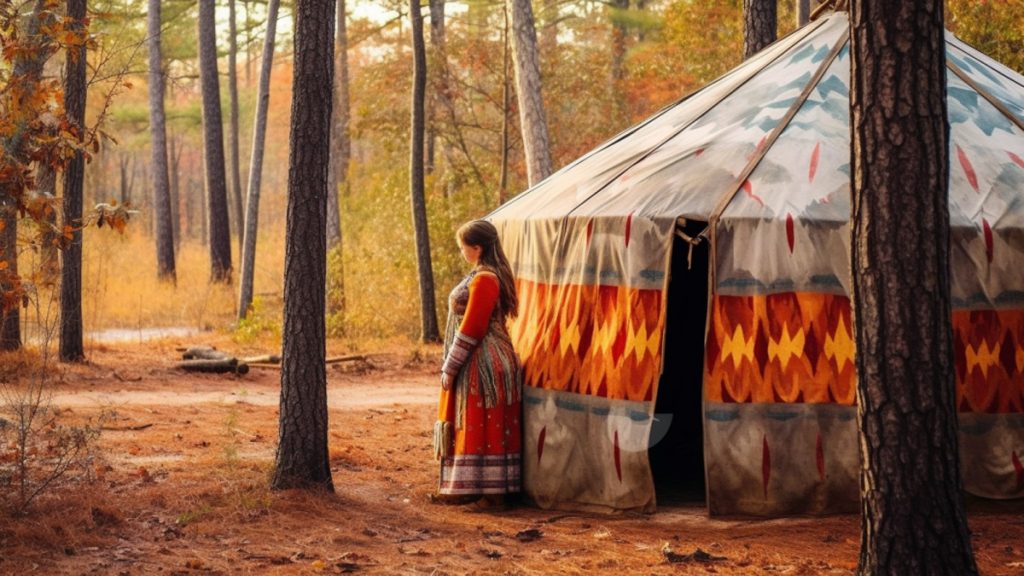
(972, 178)
(814, 162)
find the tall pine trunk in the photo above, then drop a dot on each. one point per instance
(759, 24)
(912, 507)
(259, 138)
(340, 145)
(213, 147)
(165, 267)
(236, 178)
(532, 118)
(803, 12)
(424, 266)
(302, 457)
(71, 348)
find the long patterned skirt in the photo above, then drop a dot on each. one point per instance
(485, 409)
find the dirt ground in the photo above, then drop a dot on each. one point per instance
(182, 489)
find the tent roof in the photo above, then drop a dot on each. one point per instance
(771, 140)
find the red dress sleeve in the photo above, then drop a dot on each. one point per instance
(484, 291)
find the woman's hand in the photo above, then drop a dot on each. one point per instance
(446, 381)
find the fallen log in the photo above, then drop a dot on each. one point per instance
(203, 353)
(348, 358)
(262, 359)
(219, 365)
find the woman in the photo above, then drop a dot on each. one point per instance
(478, 435)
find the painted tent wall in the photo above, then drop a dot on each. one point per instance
(765, 152)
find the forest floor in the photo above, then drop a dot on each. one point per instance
(182, 488)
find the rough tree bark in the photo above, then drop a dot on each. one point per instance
(759, 24)
(71, 348)
(213, 147)
(912, 508)
(428, 314)
(165, 266)
(236, 178)
(302, 458)
(259, 138)
(532, 118)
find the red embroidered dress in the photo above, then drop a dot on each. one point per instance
(484, 402)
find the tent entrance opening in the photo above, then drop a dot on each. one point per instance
(677, 435)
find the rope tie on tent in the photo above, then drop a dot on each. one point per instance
(692, 241)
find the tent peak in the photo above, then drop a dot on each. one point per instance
(834, 5)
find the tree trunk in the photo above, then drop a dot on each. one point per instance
(165, 266)
(10, 317)
(28, 67)
(424, 267)
(912, 508)
(341, 153)
(71, 348)
(174, 172)
(213, 147)
(532, 119)
(803, 12)
(302, 457)
(236, 178)
(46, 185)
(439, 88)
(259, 138)
(506, 105)
(759, 23)
(340, 145)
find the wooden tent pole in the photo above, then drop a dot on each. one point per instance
(984, 93)
(755, 160)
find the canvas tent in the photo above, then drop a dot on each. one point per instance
(759, 162)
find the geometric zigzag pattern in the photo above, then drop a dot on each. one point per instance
(593, 340)
(799, 348)
(780, 348)
(989, 349)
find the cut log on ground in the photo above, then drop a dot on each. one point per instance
(203, 353)
(349, 358)
(262, 359)
(220, 365)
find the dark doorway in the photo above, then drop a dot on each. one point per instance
(677, 436)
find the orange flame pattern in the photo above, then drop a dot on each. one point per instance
(799, 348)
(988, 346)
(594, 340)
(780, 348)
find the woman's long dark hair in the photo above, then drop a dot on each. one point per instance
(483, 234)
